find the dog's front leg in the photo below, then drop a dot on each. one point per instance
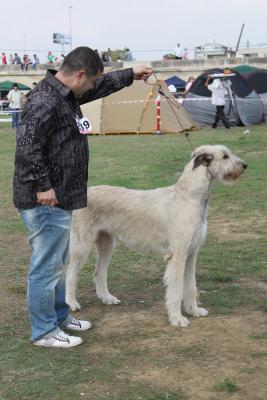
(173, 280)
(71, 285)
(190, 290)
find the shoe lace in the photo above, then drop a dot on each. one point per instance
(75, 321)
(63, 335)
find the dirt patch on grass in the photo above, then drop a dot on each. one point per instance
(192, 360)
(226, 229)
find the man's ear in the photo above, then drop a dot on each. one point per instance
(79, 74)
(202, 159)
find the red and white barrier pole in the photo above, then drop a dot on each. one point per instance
(158, 114)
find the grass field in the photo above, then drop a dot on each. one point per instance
(132, 353)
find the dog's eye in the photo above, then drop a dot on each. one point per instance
(225, 156)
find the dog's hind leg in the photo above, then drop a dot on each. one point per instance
(104, 244)
(79, 252)
(190, 290)
(173, 280)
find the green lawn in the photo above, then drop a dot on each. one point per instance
(132, 353)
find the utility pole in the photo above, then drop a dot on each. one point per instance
(238, 42)
(25, 43)
(70, 7)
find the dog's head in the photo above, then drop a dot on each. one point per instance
(220, 162)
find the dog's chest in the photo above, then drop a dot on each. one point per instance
(200, 227)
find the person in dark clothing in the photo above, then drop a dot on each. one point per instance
(50, 181)
(17, 59)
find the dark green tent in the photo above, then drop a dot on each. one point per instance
(244, 69)
(6, 86)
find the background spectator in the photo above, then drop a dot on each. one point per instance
(15, 97)
(189, 83)
(17, 59)
(35, 62)
(128, 55)
(178, 52)
(4, 60)
(105, 56)
(26, 61)
(11, 59)
(50, 58)
(218, 88)
(185, 54)
(57, 62)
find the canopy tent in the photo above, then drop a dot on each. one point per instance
(243, 105)
(177, 82)
(133, 110)
(7, 86)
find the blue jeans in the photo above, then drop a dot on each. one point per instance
(49, 234)
(15, 118)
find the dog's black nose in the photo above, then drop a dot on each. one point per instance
(245, 165)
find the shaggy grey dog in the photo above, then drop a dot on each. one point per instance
(171, 221)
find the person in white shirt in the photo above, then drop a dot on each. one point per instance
(218, 88)
(14, 96)
(178, 52)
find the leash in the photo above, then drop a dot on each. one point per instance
(170, 102)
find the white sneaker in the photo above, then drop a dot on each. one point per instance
(78, 325)
(61, 339)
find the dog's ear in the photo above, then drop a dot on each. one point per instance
(202, 159)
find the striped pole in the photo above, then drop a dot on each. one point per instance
(158, 115)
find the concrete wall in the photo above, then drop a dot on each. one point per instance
(15, 74)
(22, 77)
(186, 68)
(162, 69)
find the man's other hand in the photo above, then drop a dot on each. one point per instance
(47, 198)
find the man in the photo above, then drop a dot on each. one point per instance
(36, 62)
(128, 55)
(15, 97)
(50, 180)
(218, 88)
(17, 59)
(178, 52)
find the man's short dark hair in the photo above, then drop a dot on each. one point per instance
(82, 58)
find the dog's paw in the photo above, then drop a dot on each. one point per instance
(200, 312)
(74, 305)
(181, 321)
(109, 300)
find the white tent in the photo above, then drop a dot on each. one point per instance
(133, 110)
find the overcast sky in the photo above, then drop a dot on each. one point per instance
(138, 24)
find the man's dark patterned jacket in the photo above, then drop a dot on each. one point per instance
(50, 151)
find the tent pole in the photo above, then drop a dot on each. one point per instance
(151, 93)
(101, 119)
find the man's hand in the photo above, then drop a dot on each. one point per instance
(47, 198)
(142, 72)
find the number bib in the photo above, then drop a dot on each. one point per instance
(84, 125)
